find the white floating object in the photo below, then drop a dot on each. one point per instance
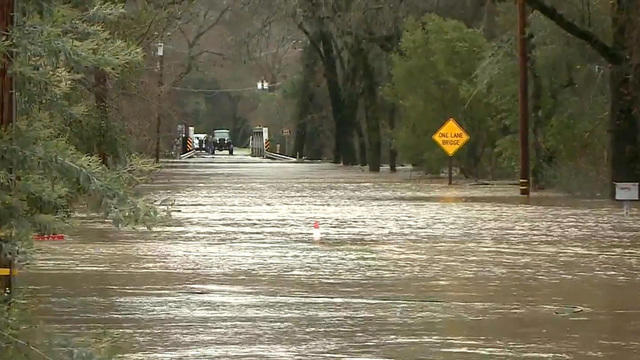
(316, 231)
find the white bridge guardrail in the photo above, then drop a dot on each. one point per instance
(259, 146)
(280, 157)
(187, 155)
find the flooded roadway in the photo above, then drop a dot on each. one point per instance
(405, 269)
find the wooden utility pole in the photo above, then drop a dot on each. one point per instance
(6, 81)
(7, 117)
(101, 94)
(525, 184)
(160, 69)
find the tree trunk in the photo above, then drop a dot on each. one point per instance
(348, 125)
(101, 93)
(371, 105)
(335, 94)
(373, 135)
(238, 122)
(305, 98)
(362, 145)
(344, 105)
(624, 126)
(538, 125)
(493, 165)
(300, 136)
(625, 152)
(393, 152)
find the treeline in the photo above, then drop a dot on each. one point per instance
(67, 147)
(373, 80)
(92, 105)
(393, 71)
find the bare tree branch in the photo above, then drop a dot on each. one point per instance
(192, 41)
(146, 32)
(609, 53)
(312, 40)
(206, 29)
(211, 52)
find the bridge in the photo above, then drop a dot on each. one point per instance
(191, 145)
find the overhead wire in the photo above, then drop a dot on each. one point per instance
(214, 91)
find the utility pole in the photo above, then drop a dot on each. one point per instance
(7, 102)
(160, 68)
(525, 184)
(7, 118)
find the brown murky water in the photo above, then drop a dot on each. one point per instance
(404, 270)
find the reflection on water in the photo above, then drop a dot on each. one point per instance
(405, 270)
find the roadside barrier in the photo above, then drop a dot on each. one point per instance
(187, 155)
(274, 156)
(52, 237)
(189, 144)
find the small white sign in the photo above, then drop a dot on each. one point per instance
(627, 191)
(263, 85)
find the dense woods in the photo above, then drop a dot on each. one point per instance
(358, 82)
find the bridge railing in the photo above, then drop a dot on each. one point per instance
(187, 155)
(259, 137)
(274, 156)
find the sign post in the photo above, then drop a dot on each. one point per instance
(627, 192)
(286, 133)
(451, 137)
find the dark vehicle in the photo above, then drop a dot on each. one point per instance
(221, 141)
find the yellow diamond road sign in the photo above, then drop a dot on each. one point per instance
(451, 136)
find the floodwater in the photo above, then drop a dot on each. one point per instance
(405, 269)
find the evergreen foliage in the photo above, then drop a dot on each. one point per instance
(443, 68)
(49, 164)
(432, 74)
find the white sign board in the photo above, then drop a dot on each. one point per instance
(627, 191)
(263, 85)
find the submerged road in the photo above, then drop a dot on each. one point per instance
(406, 269)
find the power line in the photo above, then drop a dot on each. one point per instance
(215, 91)
(211, 90)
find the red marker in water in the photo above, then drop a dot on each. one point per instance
(316, 231)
